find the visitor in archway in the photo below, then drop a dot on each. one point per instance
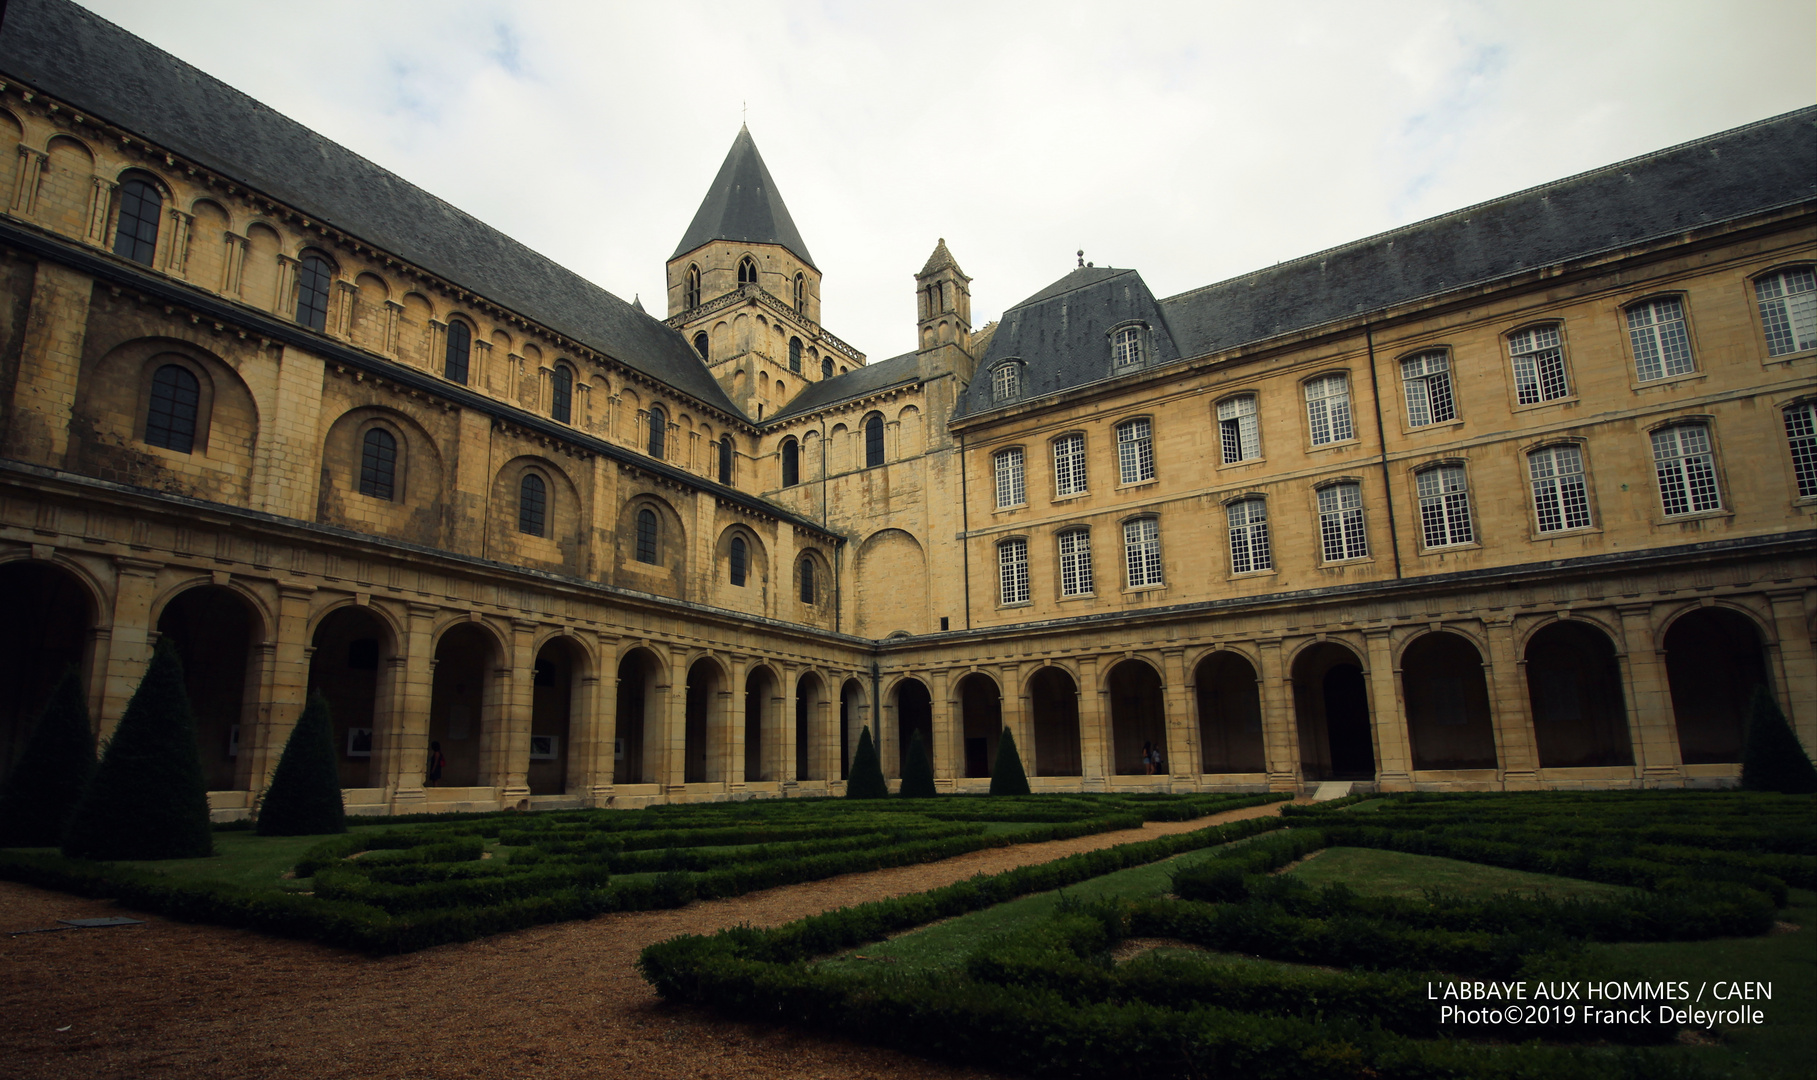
(437, 762)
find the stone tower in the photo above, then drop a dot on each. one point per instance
(944, 310)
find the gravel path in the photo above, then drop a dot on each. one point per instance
(170, 999)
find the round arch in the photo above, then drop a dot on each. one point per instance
(812, 738)
(1230, 713)
(1447, 702)
(351, 645)
(762, 721)
(1138, 717)
(980, 702)
(1053, 697)
(1331, 708)
(1574, 687)
(914, 709)
(1715, 661)
(48, 613)
(215, 628)
(636, 755)
(558, 705)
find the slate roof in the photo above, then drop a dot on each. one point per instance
(856, 383)
(101, 69)
(1730, 175)
(743, 205)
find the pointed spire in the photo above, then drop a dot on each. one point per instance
(940, 260)
(637, 301)
(744, 206)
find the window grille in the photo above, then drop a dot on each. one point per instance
(738, 561)
(1012, 571)
(1126, 347)
(659, 431)
(795, 355)
(1069, 465)
(873, 441)
(1427, 378)
(1006, 382)
(1239, 433)
(1539, 365)
(1559, 497)
(1142, 551)
(460, 352)
(1135, 451)
(532, 505)
(646, 536)
(1788, 310)
(1444, 506)
(1075, 562)
(176, 398)
(378, 464)
(313, 278)
(807, 579)
(1662, 348)
(1341, 522)
(136, 236)
(1328, 409)
(1249, 537)
(1801, 434)
(1687, 470)
(561, 399)
(1011, 490)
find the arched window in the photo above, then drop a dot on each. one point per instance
(873, 441)
(561, 399)
(1427, 381)
(659, 431)
(175, 398)
(1444, 506)
(1239, 433)
(378, 464)
(1788, 309)
(801, 294)
(806, 573)
(460, 350)
(738, 561)
(1012, 488)
(1341, 534)
(141, 205)
(1662, 347)
(1006, 382)
(690, 295)
(1135, 451)
(1328, 409)
(702, 345)
(1012, 571)
(1069, 465)
(795, 355)
(826, 367)
(1559, 496)
(313, 278)
(1249, 536)
(726, 455)
(791, 463)
(1539, 365)
(1686, 464)
(1142, 552)
(532, 505)
(1075, 562)
(646, 536)
(747, 271)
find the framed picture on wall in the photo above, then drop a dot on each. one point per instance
(359, 742)
(544, 747)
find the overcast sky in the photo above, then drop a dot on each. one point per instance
(1192, 141)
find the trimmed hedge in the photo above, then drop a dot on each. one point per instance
(47, 782)
(304, 798)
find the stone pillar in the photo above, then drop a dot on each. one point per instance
(131, 640)
(176, 257)
(672, 722)
(435, 357)
(394, 318)
(286, 665)
(55, 329)
(343, 295)
(25, 185)
(412, 690)
(511, 750)
(1654, 730)
(947, 743)
(100, 208)
(785, 729)
(1510, 710)
(1280, 727)
(740, 667)
(1096, 762)
(284, 296)
(1182, 760)
(545, 389)
(602, 733)
(233, 266)
(479, 366)
(1797, 674)
(1393, 750)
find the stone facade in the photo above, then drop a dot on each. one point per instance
(1430, 542)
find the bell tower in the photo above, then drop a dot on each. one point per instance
(943, 303)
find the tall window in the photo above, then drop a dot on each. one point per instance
(1075, 562)
(826, 367)
(1687, 469)
(460, 351)
(1341, 522)
(1011, 490)
(873, 441)
(1427, 378)
(1801, 433)
(1539, 365)
(1069, 465)
(1135, 451)
(805, 573)
(1142, 551)
(1662, 348)
(1126, 347)
(795, 355)
(1006, 382)
(141, 205)
(176, 398)
(703, 345)
(1238, 431)
(739, 556)
(532, 505)
(726, 455)
(1328, 409)
(1249, 536)
(791, 463)
(690, 293)
(1559, 497)
(313, 278)
(747, 271)
(659, 431)
(1788, 309)
(561, 401)
(646, 536)
(1444, 506)
(801, 294)
(1012, 571)
(378, 464)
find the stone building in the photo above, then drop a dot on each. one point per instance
(1520, 496)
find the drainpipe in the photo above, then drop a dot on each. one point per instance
(1381, 438)
(965, 528)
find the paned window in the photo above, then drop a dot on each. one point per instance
(659, 431)
(1069, 465)
(703, 345)
(806, 574)
(1135, 451)
(1444, 506)
(1427, 378)
(460, 352)
(1328, 409)
(690, 296)
(532, 505)
(1239, 433)
(136, 237)
(747, 271)
(313, 278)
(646, 536)
(1142, 551)
(791, 463)
(873, 441)
(1075, 562)
(378, 464)
(1662, 348)
(1788, 309)
(1341, 522)
(826, 367)
(1559, 497)
(561, 398)
(1006, 382)
(739, 556)
(726, 455)
(1539, 365)
(1801, 433)
(1007, 467)
(1126, 347)
(801, 293)
(176, 397)
(1687, 469)
(1249, 537)
(1012, 571)
(795, 355)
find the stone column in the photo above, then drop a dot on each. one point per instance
(1280, 730)
(1182, 761)
(672, 714)
(100, 208)
(284, 297)
(785, 728)
(1393, 750)
(130, 643)
(602, 743)
(287, 665)
(344, 295)
(1797, 674)
(233, 265)
(1096, 761)
(176, 257)
(413, 688)
(1510, 710)
(479, 366)
(511, 752)
(1655, 728)
(25, 185)
(394, 317)
(740, 665)
(947, 742)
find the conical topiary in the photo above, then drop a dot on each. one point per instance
(866, 781)
(47, 782)
(918, 771)
(1771, 758)
(148, 799)
(304, 798)
(1007, 777)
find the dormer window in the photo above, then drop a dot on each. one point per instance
(747, 271)
(1126, 347)
(1006, 382)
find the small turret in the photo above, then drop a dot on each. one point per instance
(944, 307)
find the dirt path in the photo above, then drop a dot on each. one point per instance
(185, 1001)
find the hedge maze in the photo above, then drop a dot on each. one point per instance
(1265, 976)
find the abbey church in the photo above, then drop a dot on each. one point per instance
(1521, 496)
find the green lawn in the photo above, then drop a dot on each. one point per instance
(1394, 873)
